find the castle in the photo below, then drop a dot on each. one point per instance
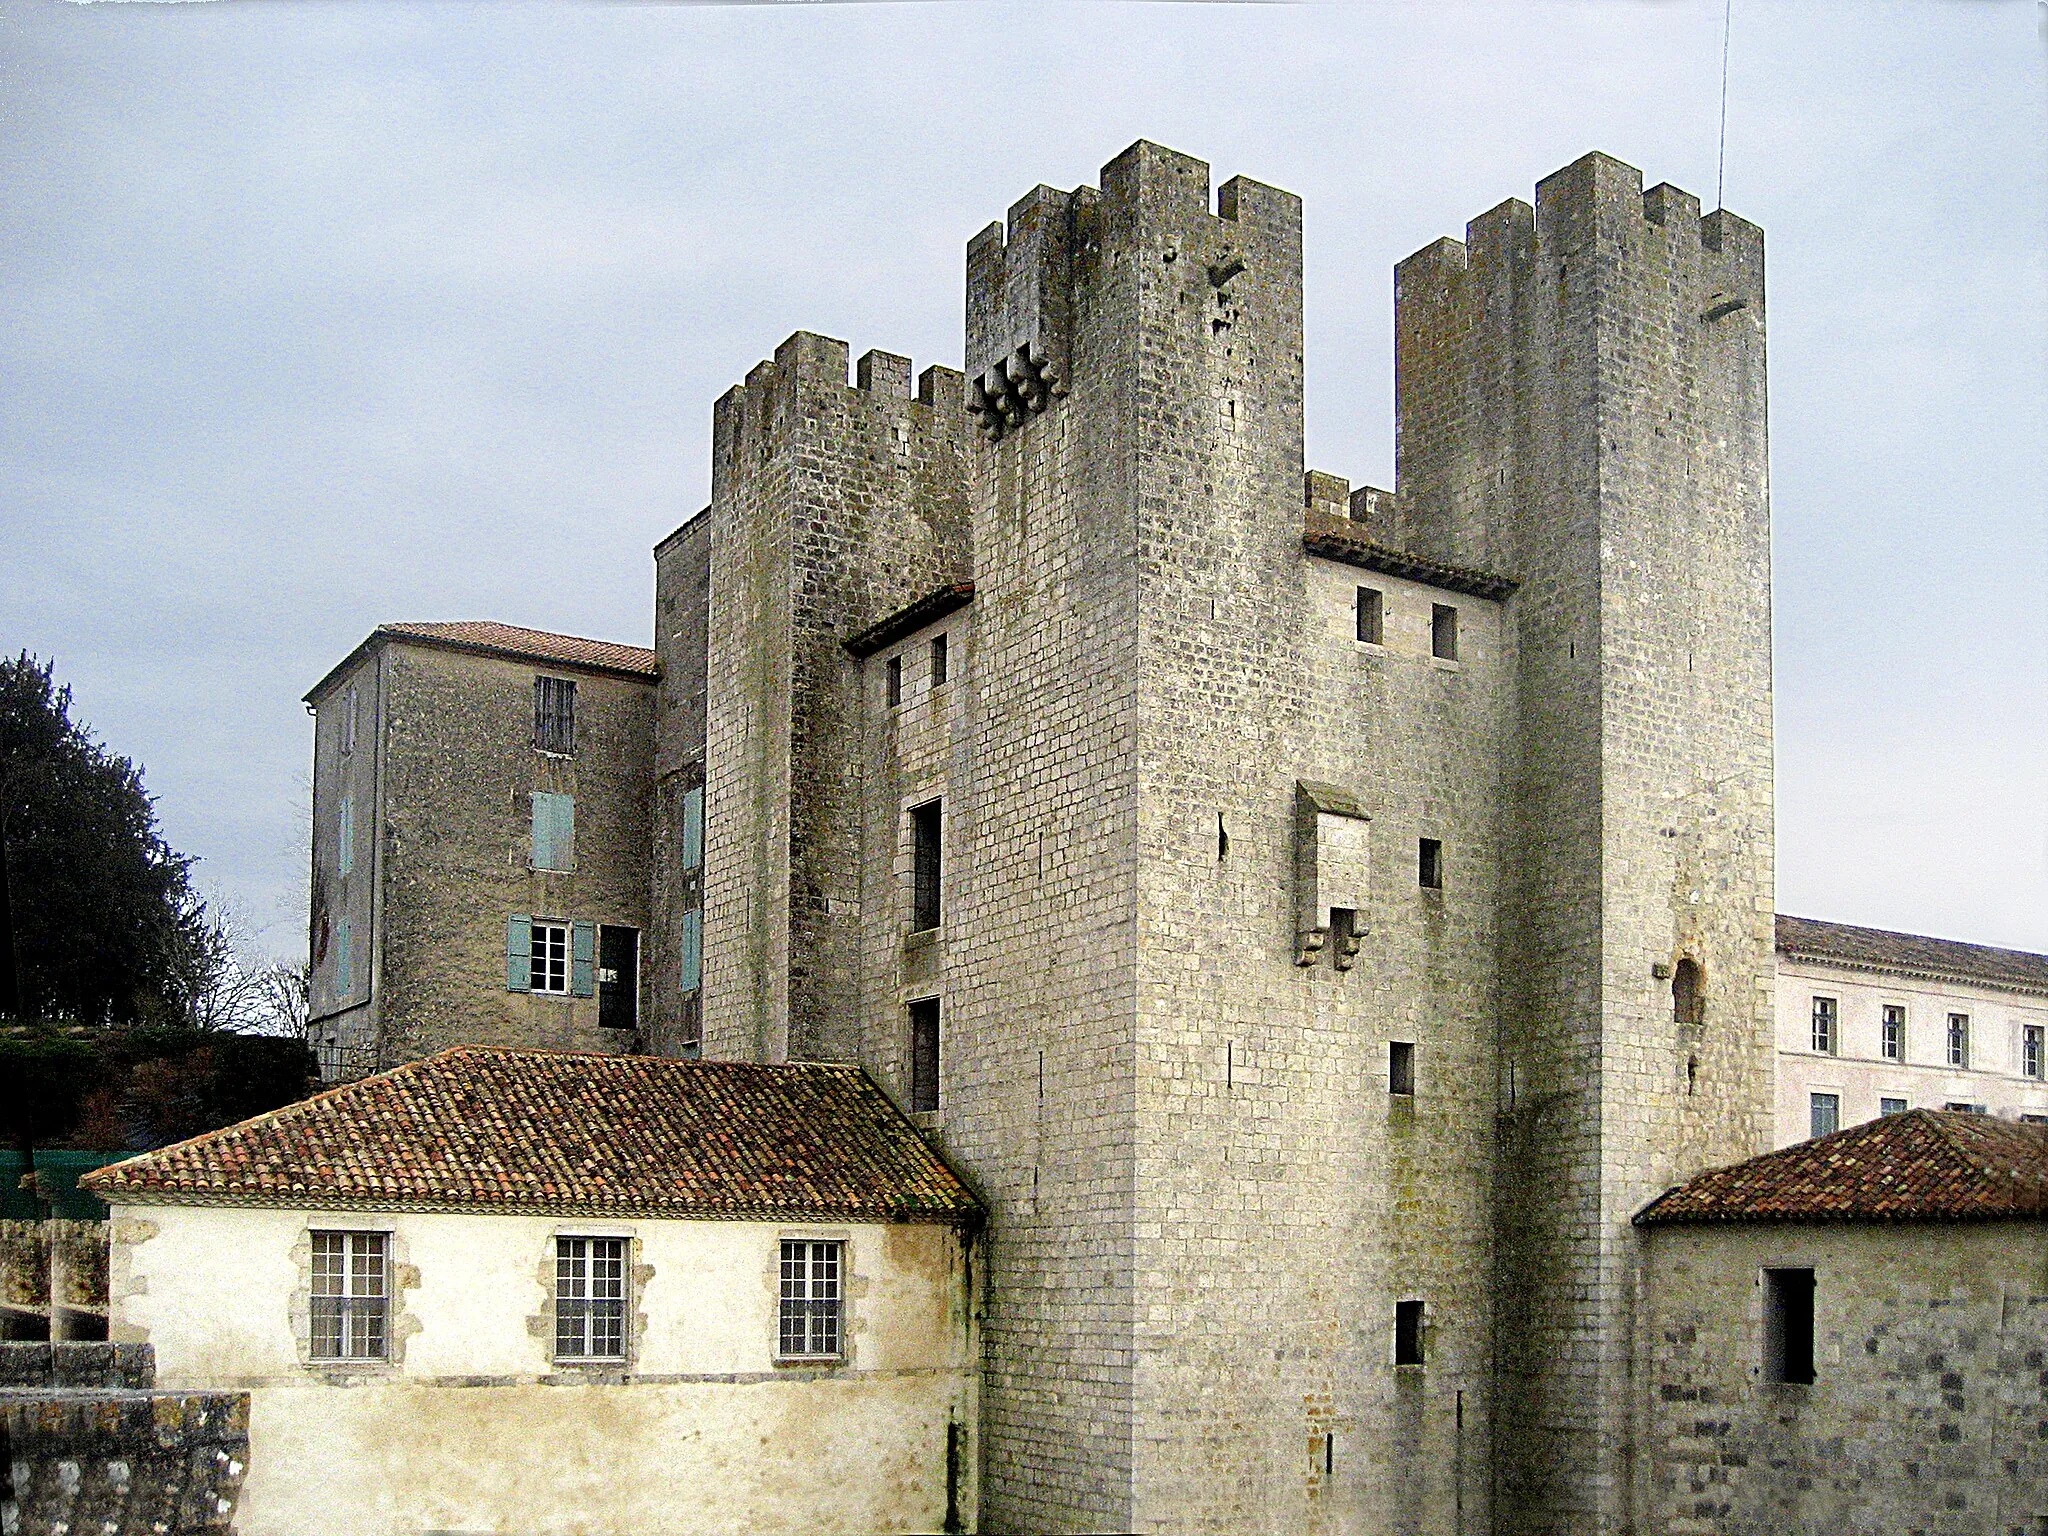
(1316, 921)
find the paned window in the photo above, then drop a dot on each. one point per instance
(1825, 1113)
(1891, 1106)
(549, 967)
(1824, 1021)
(939, 660)
(810, 1300)
(1892, 1032)
(2032, 1046)
(1371, 616)
(924, 1055)
(590, 1298)
(554, 715)
(351, 1296)
(1959, 1039)
(925, 871)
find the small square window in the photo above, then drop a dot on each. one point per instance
(1443, 632)
(1371, 616)
(590, 1298)
(1891, 1106)
(1400, 1067)
(892, 682)
(1892, 1032)
(1429, 863)
(939, 660)
(1824, 1021)
(1407, 1333)
(1959, 1039)
(554, 716)
(811, 1301)
(351, 1300)
(1825, 1113)
(1788, 1325)
(550, 958)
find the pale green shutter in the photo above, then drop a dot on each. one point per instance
(518, 954)
(565, 832)
(693, 950)
(693, 829)
(554, 831)
(583, 959)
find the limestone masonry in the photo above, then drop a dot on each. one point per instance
(1316, 920)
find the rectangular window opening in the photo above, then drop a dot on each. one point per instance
(554, 716)
(1443, 631)
(1824, 1034)
(554, 832)
(1891, 1106)
(810, 1314)
(618, 977)
(1892, 1032)
(939, 660)
(1400, 1067)
(1788, 1325)
(549, 962)
(350, 1313)
(590, 1298)
(1429, 863)
(2033, 1045)
(1825, 1114)
(1371, 616)
(1407, 1333)
(925, 871)
(924, 1055)
(1959, 1039)
(892, 682)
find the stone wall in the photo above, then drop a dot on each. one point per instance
(1926, 1414)
(682, 617)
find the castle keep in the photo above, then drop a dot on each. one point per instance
(1315, 920)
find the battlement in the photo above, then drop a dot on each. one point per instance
(762, 408)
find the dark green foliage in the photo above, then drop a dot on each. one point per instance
(98, 921)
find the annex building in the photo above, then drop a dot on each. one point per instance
(1317, 922)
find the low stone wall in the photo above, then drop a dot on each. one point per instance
(87, 1445)
(53, 1280)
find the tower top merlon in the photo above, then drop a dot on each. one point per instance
(1020, 310)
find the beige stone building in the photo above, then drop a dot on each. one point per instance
(1872, 1023)
(537, 1293)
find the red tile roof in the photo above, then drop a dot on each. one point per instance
(1923, 1165)
(479, 1127)
(1911, 954)
(481, 637)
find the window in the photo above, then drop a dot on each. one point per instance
(2031, 1049)
(1687, 1006)
(344, 959)
(2034, 1119)
(1960, 1108)
(924, 1054)
(1891, 1106)
(1959, 1039)
(692, 976)
(693, 829)
(618, 977)
(345, 837)
(1407, 1333)
(1429, 863)
(1443, 631)
(810, 1300)
(351, 1296)
(892, 682)
(590, 1298)
(1892, 1032)
(1400, 1067)
(1824, 1033)
(1788, 1325)
(549, 971)
(554, 716)
(925, 872)
(1371, 616)
(554, 832)
(938, 660)
(1824, 1114)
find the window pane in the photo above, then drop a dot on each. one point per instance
(1826, 1113)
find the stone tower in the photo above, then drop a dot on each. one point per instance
(1581, 394)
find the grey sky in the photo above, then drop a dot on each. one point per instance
(320, 315)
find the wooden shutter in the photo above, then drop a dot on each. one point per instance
(693, 829)
(583, 959)
(554, 831)
(693, 951)
(518, 954)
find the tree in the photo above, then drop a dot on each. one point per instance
(98, 920)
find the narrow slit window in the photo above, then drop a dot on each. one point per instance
(1429, 863)
(1443, 632)
(1371, 616)
(892, 682)
(345, 837)
(926, 873)
(1407, 1333)
(924, 1055)
(939, 660)
(1788, 1325)
(1401, 1067)
(1686, 1003)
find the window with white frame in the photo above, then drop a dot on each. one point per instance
(1892, 1032)
(811, 1302)
(351, 1301)
(1825, 1036)
(2033, 1043)
(1959, 1039)
(548, 968)
(590, 1298)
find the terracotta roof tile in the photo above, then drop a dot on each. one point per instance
(1923, 1165)
(532, 645)
(545, 1131)
(1911, 954)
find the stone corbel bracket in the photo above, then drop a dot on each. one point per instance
(1020, 311)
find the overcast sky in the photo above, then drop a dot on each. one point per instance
(321, 315)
